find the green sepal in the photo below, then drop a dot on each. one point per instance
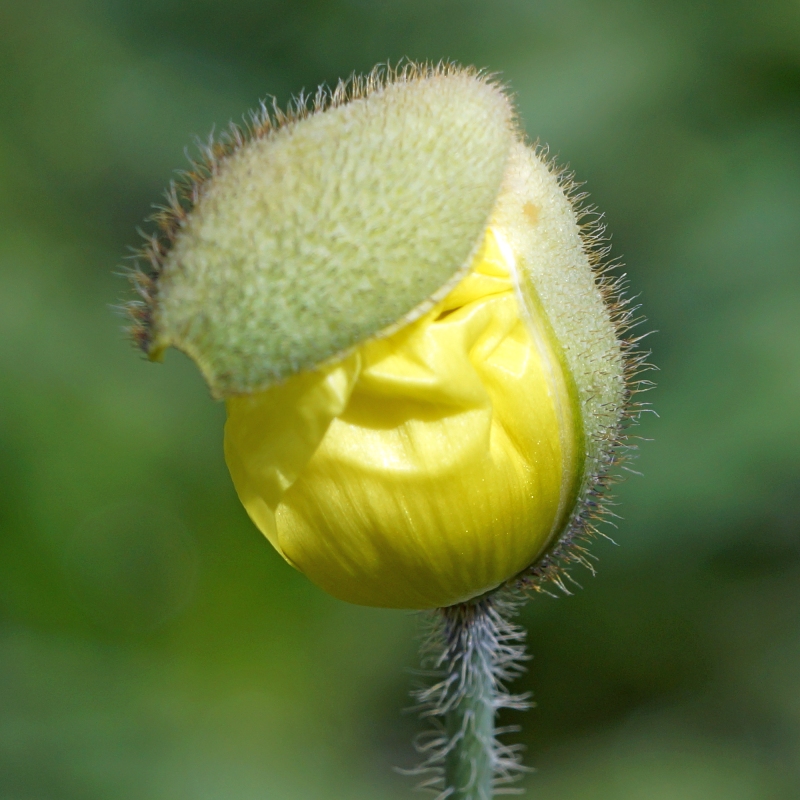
(332, 229)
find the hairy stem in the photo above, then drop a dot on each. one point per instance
(474, 650)
(469, 768)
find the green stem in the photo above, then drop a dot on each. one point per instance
(474, 651)
(469, 764)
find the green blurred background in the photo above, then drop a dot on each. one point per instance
(153, 646)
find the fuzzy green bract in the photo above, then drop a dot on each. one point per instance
(333, 228)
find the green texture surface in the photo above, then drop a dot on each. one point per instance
(332, 229)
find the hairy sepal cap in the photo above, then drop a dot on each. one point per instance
(333, 229)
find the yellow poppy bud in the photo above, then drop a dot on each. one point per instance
(393, 294)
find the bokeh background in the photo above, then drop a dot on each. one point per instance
(153, 646)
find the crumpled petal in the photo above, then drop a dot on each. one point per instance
(426, 468)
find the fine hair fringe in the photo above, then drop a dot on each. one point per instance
(471, 652)
(594, 505)
(184, 192)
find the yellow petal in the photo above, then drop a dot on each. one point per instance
(427, 468)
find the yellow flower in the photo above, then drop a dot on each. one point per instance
(423, 380)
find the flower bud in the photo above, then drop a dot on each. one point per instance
(422, 366)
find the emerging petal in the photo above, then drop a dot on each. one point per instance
(429, 466)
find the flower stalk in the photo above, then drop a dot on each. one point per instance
(474, 651)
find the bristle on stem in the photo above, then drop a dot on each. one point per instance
(473, 650)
